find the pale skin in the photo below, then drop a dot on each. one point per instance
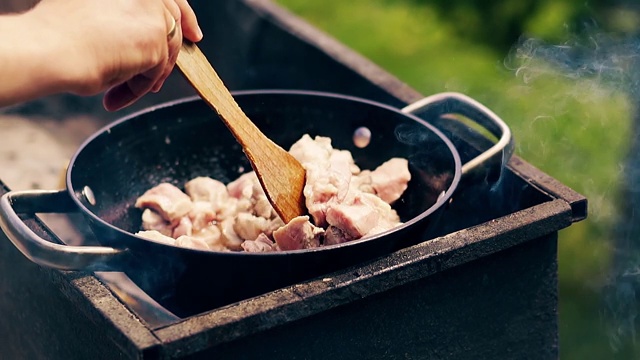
(86, 47)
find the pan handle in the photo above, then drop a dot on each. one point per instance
(44, 252)
(456, 103)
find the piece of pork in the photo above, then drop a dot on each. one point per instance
(228, 235)
(166, 200)
(334, 235)
(184, 227)
(391, 179)
(274, 224)
(248, 226)
(211, 235)
(191, 243)
(362, 182)
(156, 236)
(182, 241)
(244, 186)
(328, 174)
(206, 189)
(311, 151)
(202, 215)
(365, 215)
(251, 196)
(261, 244)
(151, 220)
(299, 233)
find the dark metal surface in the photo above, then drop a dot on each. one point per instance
(484, 288)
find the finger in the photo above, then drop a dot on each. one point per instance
(190, 27)
(127, 93)
(173, 10)
(173, 57)
(168, 70)
(174, 45)
(172, 16)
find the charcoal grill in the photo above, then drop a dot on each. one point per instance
(483, 284)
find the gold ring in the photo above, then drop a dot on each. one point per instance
(172, 29)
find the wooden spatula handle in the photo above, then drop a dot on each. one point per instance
(280, 174)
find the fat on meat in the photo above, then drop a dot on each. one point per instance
(365, 215)
(202, 215)
(298, 234)
(261, 244)
(192, 243)
(248, 226)
(228, 235)
(328, 174)
(205, 190)
(166, 200)
(251, 196)
(391, 179)
(334, 235)
(184, 227)
(199, 241)
(156, 236)
(151, 220)
(212, 236)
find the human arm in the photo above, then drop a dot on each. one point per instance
(88, 46)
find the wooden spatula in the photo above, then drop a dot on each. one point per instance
(281, 175)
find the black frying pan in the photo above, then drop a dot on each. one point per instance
(183, 139)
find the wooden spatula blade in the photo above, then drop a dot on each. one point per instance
(282, 184)
(282, 177)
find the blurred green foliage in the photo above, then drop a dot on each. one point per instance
(573, 123)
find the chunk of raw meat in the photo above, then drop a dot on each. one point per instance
(202, 215)
(151, 220)
(334, 235)
(311, 151)
(299, 233)
(228, 235)
(212, 236)
(156, 236)
(191, 243)
(206, 189)
(391, 179)
(362, 216)
(328, 173)
(244, 186)
(248, 226)
(251, 197)
(261, 244)
(166, 200)
(184, 227)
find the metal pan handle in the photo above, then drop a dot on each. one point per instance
(456, 103)
(44, 252)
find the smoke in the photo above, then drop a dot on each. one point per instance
(605, 61)
(601, 65)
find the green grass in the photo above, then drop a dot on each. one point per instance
(574, 130)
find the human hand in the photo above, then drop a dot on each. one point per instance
(121, 46)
